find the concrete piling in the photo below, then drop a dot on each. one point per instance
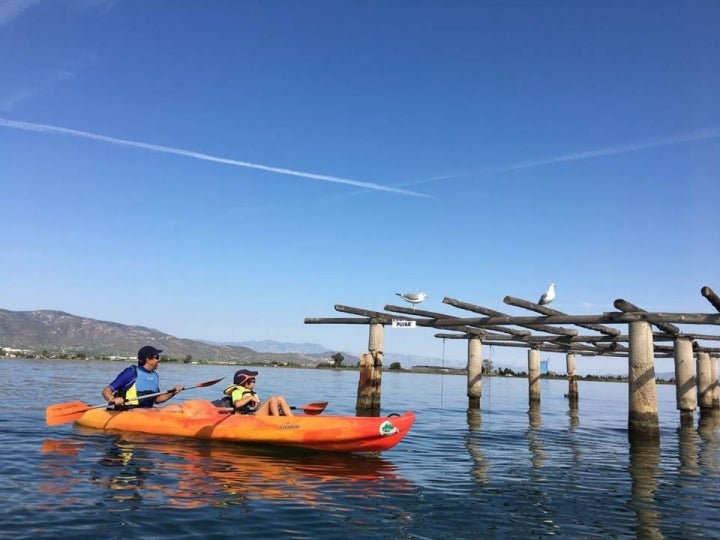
(685, 385)
(704, 383)
(474, 368)
(642, 412)
(714, 383)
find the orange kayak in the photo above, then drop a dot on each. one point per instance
(201, 419)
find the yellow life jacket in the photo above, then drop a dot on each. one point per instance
(248, 408)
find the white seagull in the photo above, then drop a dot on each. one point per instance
(549, 295)
(413, 298)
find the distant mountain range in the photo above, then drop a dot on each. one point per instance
(270, 346)
(57, 332)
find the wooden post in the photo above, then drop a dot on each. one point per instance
(704, 383)
(685, 385)
(474, 381)
(534, 376)
(573, 394)
(369, 386)
(642, 402)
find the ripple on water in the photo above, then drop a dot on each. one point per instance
(502, 471)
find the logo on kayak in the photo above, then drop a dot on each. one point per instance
(386, 428)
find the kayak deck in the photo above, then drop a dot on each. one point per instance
(201, 419)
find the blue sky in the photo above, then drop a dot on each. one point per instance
(223, 170)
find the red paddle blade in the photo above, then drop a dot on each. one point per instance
(65, 412)
(314, 408)
(208, 383)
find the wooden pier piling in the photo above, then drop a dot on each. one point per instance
(533, 376)
(369, 385)
(572, 394)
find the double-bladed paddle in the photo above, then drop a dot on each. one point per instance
(309, 408)
(62, 413)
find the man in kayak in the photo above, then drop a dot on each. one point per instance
(136, 381)
(246, 401)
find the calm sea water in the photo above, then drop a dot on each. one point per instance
(495, 473)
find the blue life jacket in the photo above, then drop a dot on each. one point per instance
(145, 382)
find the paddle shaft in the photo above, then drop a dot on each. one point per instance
(62, 413)
(308, 408)
(171, 391)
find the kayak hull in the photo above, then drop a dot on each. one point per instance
(201, 419)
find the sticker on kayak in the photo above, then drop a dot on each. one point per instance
(386, 428)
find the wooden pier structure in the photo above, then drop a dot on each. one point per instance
(648, 336)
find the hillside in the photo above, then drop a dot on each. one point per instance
(57, 332)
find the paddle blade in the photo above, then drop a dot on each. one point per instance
(207, 383)
(314, 408)
(63, 413)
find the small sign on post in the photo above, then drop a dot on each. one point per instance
(399, 323)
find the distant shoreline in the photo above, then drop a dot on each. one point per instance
(506, 372)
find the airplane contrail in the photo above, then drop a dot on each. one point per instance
(44, 128)
(700, 135)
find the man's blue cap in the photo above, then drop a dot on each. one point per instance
(146, 352)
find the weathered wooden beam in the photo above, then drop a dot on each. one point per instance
(583, 351)
(378, 317)
(696, 348)
(713, 298)
(518, 302)
(537, 342)
(337, 320)
(611, 317)
(602, 341)
(471, 332)
(434, 315)
(492, 313)
(667, 337)
(624, 305)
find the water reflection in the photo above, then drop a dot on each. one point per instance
(480, 468)
(191, 474)
(534, 443)
(709, 453)
(644, 471)
(124, 469)
(688, 440)
(573, 413)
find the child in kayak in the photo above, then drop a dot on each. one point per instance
(246, 401)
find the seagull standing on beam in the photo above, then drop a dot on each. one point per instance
(549, 295)
(413, 298)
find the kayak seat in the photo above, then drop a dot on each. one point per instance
(223, 403)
